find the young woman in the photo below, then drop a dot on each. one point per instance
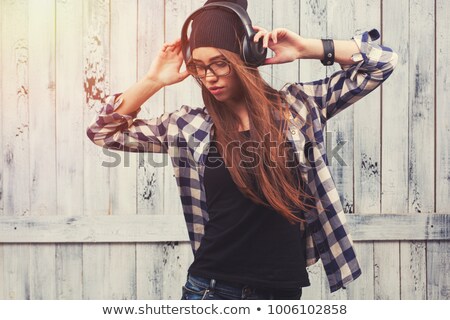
(258, 199)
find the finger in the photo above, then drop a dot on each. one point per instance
(256, 28)
(178, 49)
(270, 61)
(184, 74)
(164, 47)
(275, 38)
(258, 35)
(266, 40)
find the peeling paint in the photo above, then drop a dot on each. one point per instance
(149, 187)
(21, 129)
(9, 157)
(347, 205)
(370, 167)
(95, 79)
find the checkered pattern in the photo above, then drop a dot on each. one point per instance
(185, 134)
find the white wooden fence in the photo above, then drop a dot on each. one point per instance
(71, 228)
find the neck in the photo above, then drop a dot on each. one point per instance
(240, 109)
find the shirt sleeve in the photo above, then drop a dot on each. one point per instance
(373, 65)
(113, 130)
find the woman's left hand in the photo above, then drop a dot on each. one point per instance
(286, 44)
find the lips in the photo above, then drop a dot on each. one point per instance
(216, 90)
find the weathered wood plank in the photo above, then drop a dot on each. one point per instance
(140, 228)
(149, 271)
(69, 271)
(15, 141)
(97, 198)
(2, 271)
(16, 268)
(438, 253)
(394, 145)
(438, 270)
(421, 133)
(1, 112)
(43, 165)
(69, 151)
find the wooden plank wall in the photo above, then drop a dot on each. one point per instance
(60, 59)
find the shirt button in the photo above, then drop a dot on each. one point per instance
(293, 131)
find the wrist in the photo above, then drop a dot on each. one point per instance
(153, 81)
(312, 49)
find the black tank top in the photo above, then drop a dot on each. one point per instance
(246, 243)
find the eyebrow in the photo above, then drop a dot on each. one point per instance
(213, 58)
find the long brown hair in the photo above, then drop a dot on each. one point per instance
(273, 186)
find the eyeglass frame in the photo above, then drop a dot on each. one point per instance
(208, 67)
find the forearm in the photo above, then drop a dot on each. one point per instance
(137, 94)
(343, 50)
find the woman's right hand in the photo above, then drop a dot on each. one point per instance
(165, 69)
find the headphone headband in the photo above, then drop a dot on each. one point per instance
(253, 54)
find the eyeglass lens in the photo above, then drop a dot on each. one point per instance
(219, 68)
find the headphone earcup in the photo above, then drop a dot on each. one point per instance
(253, 53)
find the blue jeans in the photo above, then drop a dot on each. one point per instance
(199, 288)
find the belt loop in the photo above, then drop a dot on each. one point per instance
(211, 287)
(212, 284)
(246, 291)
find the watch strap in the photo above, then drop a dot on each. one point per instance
(328, 48)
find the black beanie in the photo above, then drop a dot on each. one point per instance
(217, 28)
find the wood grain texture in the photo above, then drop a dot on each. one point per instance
(69, 112)
(394, 145)
(42, 148)
(2, 270)
(96, 260)
(438, 253)
(2, 35)
(421, 135)
(142, 228)
(15, 281)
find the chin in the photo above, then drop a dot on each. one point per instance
(221, 99)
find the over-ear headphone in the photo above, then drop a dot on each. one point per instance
(252, 53)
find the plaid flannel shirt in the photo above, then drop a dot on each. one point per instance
(185, 135)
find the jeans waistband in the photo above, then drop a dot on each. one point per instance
(231, 289)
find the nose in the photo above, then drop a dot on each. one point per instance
(211, 74)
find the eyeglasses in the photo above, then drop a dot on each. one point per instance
(218, 68)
